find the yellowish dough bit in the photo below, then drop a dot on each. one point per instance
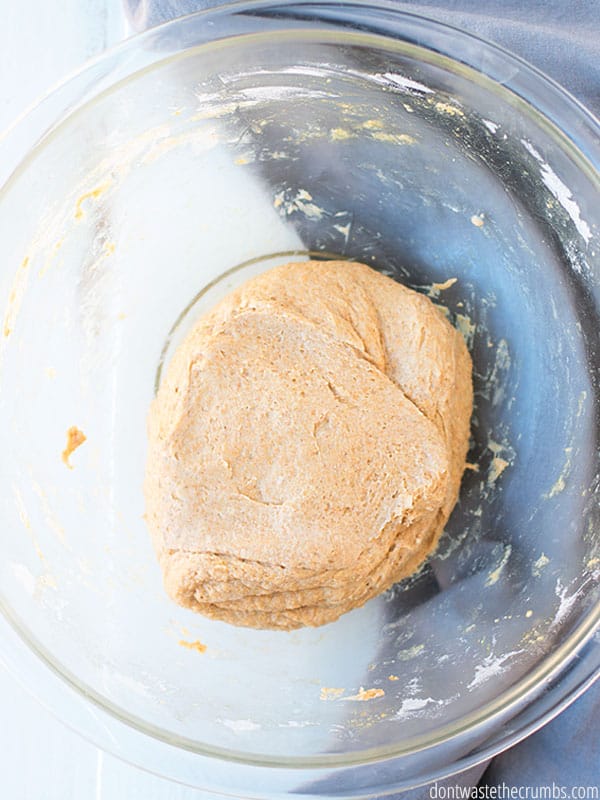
(306, 445)
(197, 645)
(366, 694)
(75, 438)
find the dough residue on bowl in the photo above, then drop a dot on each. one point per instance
(75, 438)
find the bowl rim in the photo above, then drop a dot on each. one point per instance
(586, 149)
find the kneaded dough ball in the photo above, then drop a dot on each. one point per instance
(306, 445)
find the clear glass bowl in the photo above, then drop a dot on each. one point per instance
(142, 190)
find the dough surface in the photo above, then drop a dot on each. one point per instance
(306, 445)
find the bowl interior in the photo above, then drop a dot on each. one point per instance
(150, 202)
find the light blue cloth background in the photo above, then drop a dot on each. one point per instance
(562, 38)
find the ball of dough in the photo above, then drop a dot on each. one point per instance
(306, 445)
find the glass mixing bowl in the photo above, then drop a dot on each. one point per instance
(140, 192)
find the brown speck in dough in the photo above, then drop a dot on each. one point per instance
(75, 438)
(365, 694)
(197, 645)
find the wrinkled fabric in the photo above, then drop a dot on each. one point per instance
(566, 752)
(559, 37)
